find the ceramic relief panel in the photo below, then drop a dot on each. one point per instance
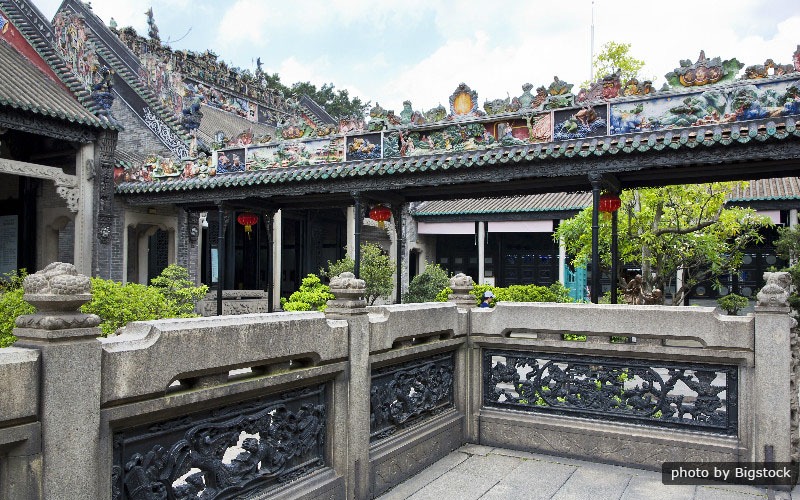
(712, 106)
(589, 121)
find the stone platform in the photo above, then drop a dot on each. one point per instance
(481, 472)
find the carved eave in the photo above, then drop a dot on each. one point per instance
(66, 184)
(41, 125)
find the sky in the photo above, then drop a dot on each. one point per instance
(421, 50)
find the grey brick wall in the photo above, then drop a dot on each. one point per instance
(136, 137)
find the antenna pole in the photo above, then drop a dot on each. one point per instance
(591, 48)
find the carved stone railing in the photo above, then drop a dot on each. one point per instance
(570, 378)
(348, 403)
(282, 438)
(666, 394)
(408, 393)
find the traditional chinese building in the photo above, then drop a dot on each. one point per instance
(56, 139)
(247, 188)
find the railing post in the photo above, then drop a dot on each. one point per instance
(467, 388)
(70, 382)
(772, 426)
(352, 407)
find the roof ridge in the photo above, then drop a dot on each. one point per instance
(38, 33)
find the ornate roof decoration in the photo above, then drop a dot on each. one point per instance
(703, 72)
(464, 103)
(19, 78)
(687, 139)
(37, 31)
(609, 109)
(170, 72)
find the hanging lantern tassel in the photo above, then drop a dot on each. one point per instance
(248, 220)
(380, 214)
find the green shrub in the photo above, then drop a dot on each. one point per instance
(118, 304)
(426, 286)
(312, 295)
(377, 271)
(175, 285)
(171, 296)
(12, 280)
(732, 303)
(524, 293)
(11, 306)
(442, 296)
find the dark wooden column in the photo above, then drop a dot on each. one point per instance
(220, 257)
(359, 221)
(614, 257)
(596, 180)
(397, 214)
(269, 216)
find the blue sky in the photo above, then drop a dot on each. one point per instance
(422, 49)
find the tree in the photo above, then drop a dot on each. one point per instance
(616, 56)
(426, 286)
(787, 246)
(175, 285)
(337, 103)
(377, 271)
(669, 229)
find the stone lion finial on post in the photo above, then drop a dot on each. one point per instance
(57, 292)
(349, 292)
(775, 294)
(461, 284)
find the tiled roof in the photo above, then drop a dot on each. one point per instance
(125, 158)
(229, 123)
(783, 188)
(547, 202)
(717, 135)
(23, 86)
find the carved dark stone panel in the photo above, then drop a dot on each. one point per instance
(278, 439)
(690, 396)
(408, 393)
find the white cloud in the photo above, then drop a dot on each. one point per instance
(243, 24)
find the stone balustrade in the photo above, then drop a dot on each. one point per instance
(350, 402)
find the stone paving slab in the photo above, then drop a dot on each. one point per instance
(455, 485)
(641, 487)
(479, 472)
(408, 488)
(595, 482)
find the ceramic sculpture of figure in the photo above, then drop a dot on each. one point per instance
(634, 293)
(405, 115)
(559, 87)
(526, 99)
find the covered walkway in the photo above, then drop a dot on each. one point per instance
(482, 472)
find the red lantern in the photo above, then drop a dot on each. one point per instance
(609, 203)
(380, 214)
(248, 220)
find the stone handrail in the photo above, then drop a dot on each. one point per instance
(700, 324)
(20, 400)
(146, 357)
(397, 323)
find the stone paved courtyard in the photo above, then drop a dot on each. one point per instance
(481, 472)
